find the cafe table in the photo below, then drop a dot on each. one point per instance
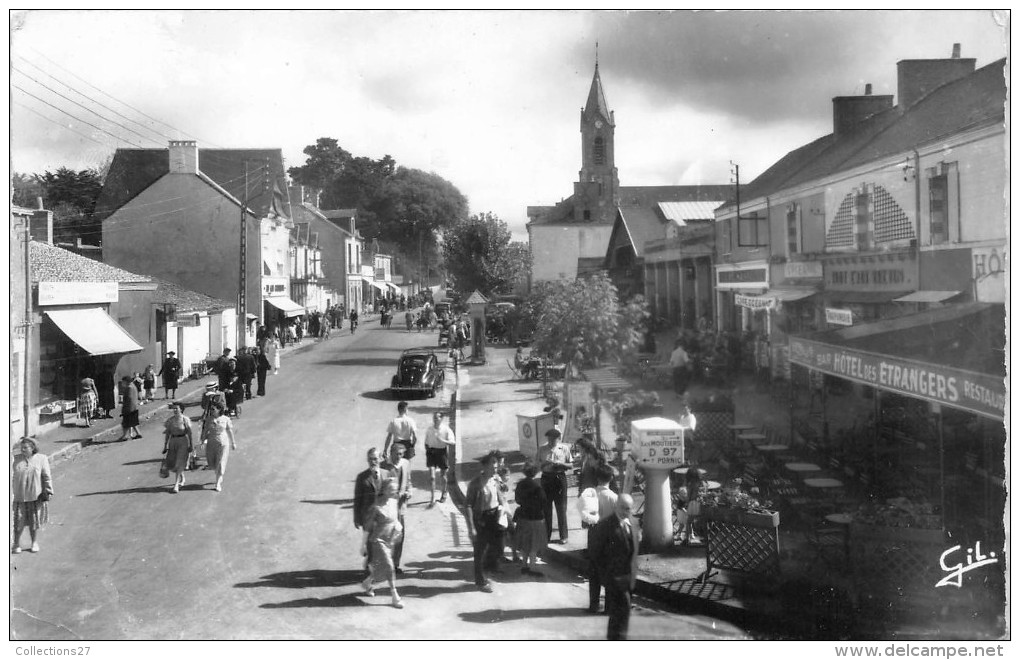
(802, 468)
(840, 518)
(739, 428)
(823, 482)
(752, 439)
(712, 485)
(682, 471)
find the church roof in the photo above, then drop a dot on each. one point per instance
(596, 103)
(642, 211)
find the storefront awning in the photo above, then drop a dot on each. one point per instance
(393, 287)
(378, 286)
(790, 294)
(94, 330)
(927, 296)
(286, 305)
(951, 355)
(862, 297)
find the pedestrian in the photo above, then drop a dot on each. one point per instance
(274, 355)
(88, 400)
(217, 430)
(400, 469)
(554, 460)
(226, 367)
(234, 390)
(596, 504)
(614, 552)
(486, 503)
(530, 535)
(245, 370)
(128, 409)
(292, 334)
(262, 368)
(366, 488)
(31, 491)
(681, 364)
(402, 429)
(106, 390)
(177, 444)
(149, 383)
(693, 490)
(409, 319)
(383, 531)
(438, 439)
(354, 320)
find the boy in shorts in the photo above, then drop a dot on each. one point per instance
(437, 439)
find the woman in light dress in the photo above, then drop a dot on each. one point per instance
(218, 430)
(382, 529)
(31, 489)
(177, 444)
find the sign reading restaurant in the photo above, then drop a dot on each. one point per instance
(983, 394)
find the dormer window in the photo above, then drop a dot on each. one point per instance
(600, 151)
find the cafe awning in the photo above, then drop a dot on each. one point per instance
(927, 296)
(378, 286)
(94, 330)
(393, 287)
(286, 305)
(791, 293)
(862, 297)
(951, 355)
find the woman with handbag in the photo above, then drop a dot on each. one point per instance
(177, 444)
(32, 488)
(217, 430)
(88, 401)
(381, 532)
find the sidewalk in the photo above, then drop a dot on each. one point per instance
(806, 603)
(65, 441)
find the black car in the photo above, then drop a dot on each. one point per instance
(418, 372)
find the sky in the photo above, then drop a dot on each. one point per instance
(488, 100)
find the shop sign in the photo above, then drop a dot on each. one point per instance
(892, 272)
(979, 393)
(743, 278)
(988, 269)
(76, 293)
(793, 270)
(754, 302)
(839, 316)
(187, 321)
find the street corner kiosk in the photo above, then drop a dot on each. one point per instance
(657, 447)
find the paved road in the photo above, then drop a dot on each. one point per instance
(274, 556)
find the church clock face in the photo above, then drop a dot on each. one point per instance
(598, 123)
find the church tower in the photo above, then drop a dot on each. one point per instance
(597, 191)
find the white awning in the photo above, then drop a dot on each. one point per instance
(789, 294)
(286, 305)
(927, 296)
(396, 289)
(94, 330)
(378, 285)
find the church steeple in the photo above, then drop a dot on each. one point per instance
(596, 193)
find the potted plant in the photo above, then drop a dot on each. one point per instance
(742, 531)
(733, 504)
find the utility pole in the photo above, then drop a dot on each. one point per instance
(242, 293)
(27, 328)
(736, 180)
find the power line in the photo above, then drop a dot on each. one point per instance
(43, 55)
(78, 118)
(100, 104)
(87, 109)
(30, 109)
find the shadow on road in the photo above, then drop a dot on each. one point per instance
(348, 600)
(149, 490)
(362, 362)
(499, 616)
(347, 504)
(148, 460)
(306, 579)
(380, 395)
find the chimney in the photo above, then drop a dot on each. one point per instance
(183, 157)
(849, 111)
(41, 224)
(915, 79)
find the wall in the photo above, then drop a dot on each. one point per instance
(183, 230)
(135, 311)
(18, 372)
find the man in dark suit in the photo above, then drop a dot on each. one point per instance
(366, 488)
(613, 550)
(245, 370)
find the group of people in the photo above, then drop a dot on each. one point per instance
(382, 493)
(217, 436)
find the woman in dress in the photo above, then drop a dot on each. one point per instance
(381, 530)
(530, 536)
(274, 354)
(170, 371)
(217, 431)
(88, 400)
(129, 409)
(32, 488)
(105, 388)
(177, 444)
(149, 383)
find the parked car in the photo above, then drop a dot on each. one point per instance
(418, 372)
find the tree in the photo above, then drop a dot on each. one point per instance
(582, 321)
(346, 180)
(72, 195)
(480, 255)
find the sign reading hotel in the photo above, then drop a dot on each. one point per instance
(887, 272)
(76, 293)
(979, 393)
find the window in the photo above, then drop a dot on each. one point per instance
(862, 221)
(793, 230)
(600, 151)
(866, 217)
(752, 231)
(943, 216)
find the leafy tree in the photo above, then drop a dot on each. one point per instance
(71, 195)
(25, 188)
(346, 180)
(582, 321)
(480, 255)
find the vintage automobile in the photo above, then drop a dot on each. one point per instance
(418, 372)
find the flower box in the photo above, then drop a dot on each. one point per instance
(742, 540)
(764, 519)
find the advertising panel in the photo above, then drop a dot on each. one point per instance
(76, 293)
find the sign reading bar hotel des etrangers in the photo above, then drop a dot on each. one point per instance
(980, 393)
(76, 293)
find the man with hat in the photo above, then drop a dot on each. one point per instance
(554, 460)
(485, 501)
(170, 372)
